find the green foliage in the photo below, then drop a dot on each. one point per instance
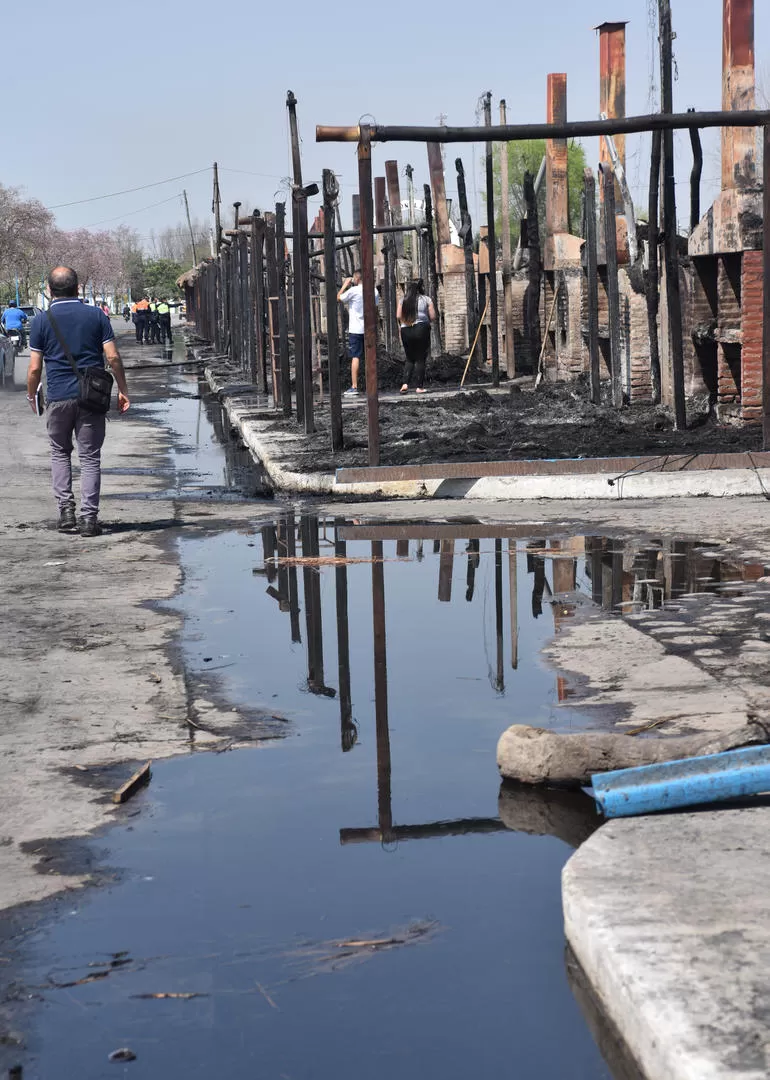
(160, 276)
(526, 157)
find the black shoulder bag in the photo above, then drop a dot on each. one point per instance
(94, 383)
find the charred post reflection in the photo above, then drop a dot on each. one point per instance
(384, 806)
(313, 619)
(291, 548)
(499, 634)
(473, 550)
(348, 731)
(445, 568)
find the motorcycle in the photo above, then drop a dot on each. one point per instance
(15, 335)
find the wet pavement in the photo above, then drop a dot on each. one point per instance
(357, 898)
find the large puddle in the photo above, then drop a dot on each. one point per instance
(360, 898)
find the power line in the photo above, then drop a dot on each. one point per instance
(127, 191)
(130, 213)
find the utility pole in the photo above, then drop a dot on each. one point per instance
(189, 226)
(215, 204)
(510, 363)
(491, 244)
(673, 297)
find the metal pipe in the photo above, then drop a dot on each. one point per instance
(576, 129)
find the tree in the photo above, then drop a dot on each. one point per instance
(527, 157)
(160, 277)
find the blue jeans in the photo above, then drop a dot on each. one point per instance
(63, 420)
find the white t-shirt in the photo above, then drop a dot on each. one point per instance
(354, 298)
(423, 308)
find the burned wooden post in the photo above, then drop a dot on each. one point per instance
(613, 294)
(592, 291)
(445, 568)
(258, 300)
(389, 250)
(387, 294)
(216, 202)
(490, 176)
(303, 361)
(291, 550)
(438, 190)
(673, 297)
(535, 270)
(513, 601)
(499, 633)
(482, 292)
(505, 225)
(247, 308)
(394, 203)
(313, 614)
(466, 235)
(367, 280)
(331, 191)
(430, 248)
(348, 733)
(766, 297)
(652, 290)
(384, 805)
(695, 176)
(283, 315)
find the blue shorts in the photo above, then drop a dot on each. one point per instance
(356, 345)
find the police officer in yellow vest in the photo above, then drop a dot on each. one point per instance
(164, 318)
(153, 323)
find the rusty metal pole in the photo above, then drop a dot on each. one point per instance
(366, 211)
(613, 295)
(283, 315)
(331, 191)
(592, 273)
(491, 243)
(673, 297)
(466, 235)
(505, 224)
(653, 272)
(766, 298)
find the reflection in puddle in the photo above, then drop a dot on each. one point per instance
(376, 830)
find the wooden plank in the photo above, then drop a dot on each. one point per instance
(139, 779)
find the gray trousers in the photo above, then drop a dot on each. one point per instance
(63, 420)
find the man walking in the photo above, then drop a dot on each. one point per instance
(89, 338)
(164, 318)
(14, 319)
(352, 295)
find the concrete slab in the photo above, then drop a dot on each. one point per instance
(669, 917)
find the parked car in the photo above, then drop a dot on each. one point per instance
(7, 355)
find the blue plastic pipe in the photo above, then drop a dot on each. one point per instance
(692, 782)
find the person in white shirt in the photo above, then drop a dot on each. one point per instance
(352, 295)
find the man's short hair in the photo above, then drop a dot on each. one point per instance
(63, 281)
(11, 303)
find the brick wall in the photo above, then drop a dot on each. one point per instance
(752, 294)
(729, 330)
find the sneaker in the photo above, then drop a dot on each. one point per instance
(67, 519)
(352, 392)
(89, 526)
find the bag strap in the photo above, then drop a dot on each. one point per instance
(60, 339)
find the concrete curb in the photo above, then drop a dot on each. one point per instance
(266, 446)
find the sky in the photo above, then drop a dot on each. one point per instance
(128, 97)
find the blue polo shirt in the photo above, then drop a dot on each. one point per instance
(85, 329)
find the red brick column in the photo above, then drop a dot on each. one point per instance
(752, 292)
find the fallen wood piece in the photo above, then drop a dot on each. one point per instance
(163, 996)
(535, 756)
(327, 560)
(675, 784)
(131, 786)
